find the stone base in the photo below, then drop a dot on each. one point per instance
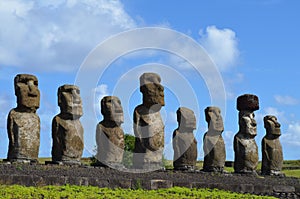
(70, 163)
(110, 165)
(214, 169)
(274, 173)
(21, 161)
(185, 168)
(247, 172)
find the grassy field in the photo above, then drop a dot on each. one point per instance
(62, 192)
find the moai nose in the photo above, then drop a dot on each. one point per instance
(33, 91)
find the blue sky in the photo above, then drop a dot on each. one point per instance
(253, 43)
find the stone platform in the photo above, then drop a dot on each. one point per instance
(40, 175)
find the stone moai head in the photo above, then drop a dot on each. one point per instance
(27, 92)
(186, 119)
(69, 101)
(152, 90)
(272, 126)
(112, 110)
(214, 119)
(246, 105)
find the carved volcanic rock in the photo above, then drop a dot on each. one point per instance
(247, 102)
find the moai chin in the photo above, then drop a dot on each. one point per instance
(272, 156)
(213, 143)
(184, 142)
(23, 124)
(245, 147)
(109, 134)
(67, 131)
(148, 124)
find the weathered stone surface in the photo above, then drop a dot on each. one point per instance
(214, 146)
(184, 142)
(148, 124)
(23, 124)
(160, 184)
(283, 189)
(247, 102)
(67, 131)
(272, 156)
(109, 134)
(245, 147)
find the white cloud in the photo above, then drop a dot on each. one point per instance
(221, 45)
(286, 100)
(100, 92)
(271, 111)
(6, 104)
(292, 136)
(56, 35)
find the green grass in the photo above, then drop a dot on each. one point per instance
(67, 191)
(292, 173)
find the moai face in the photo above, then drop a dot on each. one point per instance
(186, 119)
(112, 110)
(247, 123)
(214, 119)
(27, 92)
(272, 126)
(153, 91)
(69, 100)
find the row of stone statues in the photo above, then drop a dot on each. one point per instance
(23, 127)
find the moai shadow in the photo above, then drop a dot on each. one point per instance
(109, 134)
(184, 142)
(23, 124)
(67, 131)
(272, 156)
(213, 143)
(148, 124)
(245, 147)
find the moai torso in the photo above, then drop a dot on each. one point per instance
(148, 124)
(67, 139)
(246, 154)
(67, 131)
(23, 124)
(213, 143)
(184, 142)
(109, 134)
(272, 156)
(245, 147)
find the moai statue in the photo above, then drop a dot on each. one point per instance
(23, 124)
(109, 134)
(272, 157)
(148, 124)
(245, 148)
(67, 131)
(213, 143)
(184, 142)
